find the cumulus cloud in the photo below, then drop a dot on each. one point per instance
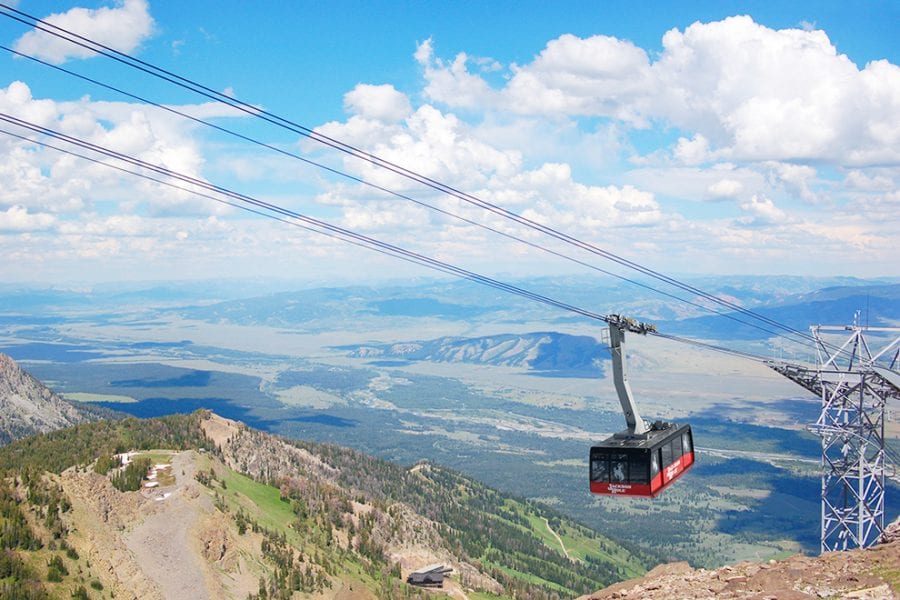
(429, 142)
(17, 218)
(765, 94)
(692, 151)
(743, 91)
(48, 181)
(722, 181)
(725, 188)
(597, 76)
(443, 147)
(759, 124)
(451, 82)
(122, 28)
(878, 181)
(761, 211)
(378, 102)
(113, 226)
(796, 179)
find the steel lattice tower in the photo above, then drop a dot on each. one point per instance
(854, 388)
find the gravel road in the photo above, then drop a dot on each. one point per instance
(162, 543)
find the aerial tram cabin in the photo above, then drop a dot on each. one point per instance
(644, 459)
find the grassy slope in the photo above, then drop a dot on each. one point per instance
(264, 504)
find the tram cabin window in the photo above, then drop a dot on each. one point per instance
(639, 469)
(618, 468)
(600, 467)
(666, 455)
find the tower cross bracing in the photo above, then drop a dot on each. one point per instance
(855, 382)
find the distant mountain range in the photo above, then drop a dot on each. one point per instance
(27, 406)
(282, 304)
(548, 353)
(874, 305)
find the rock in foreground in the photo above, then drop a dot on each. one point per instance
(872, 574)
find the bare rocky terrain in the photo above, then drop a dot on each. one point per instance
(168, 542)
(27, 406)
(872, 574)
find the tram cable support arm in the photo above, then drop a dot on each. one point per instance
(618, 325)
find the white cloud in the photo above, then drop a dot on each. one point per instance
(122, 28)
(555, 199)
(443, 147)
(114, 226)
(741, 90)
(757, 127)
(762, 211)
(17, 100)
(50, 181)
(429, 142)
(378, 102)
(766, 94)
(795, 179)
(870, 182)
(17, 218)
(451, 82)
(692, 151)
(597, 76)
(725, 188)
(718, 182)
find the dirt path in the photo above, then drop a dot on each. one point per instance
(162, 543)
(558, 539)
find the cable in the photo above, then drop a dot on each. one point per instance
(284, 123)
(309, 223)
(709, 346)
(386, 190)
(198, 88)
(344, 233)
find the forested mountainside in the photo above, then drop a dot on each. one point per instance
(234, 512)
(27, 406)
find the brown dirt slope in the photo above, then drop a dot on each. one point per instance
(168, 542)
(872, 574)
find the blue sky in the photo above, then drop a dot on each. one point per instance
(704, 137)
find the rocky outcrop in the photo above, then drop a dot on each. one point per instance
(861, 574)
(99, 515)
(27, 406)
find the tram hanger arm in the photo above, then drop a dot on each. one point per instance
(618, 325)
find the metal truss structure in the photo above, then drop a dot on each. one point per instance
(855, 382)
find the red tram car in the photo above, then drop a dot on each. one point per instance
(646, 458)
(632, 466)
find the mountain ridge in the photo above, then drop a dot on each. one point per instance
(230, 500)
(544, 352)
(27, 406)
